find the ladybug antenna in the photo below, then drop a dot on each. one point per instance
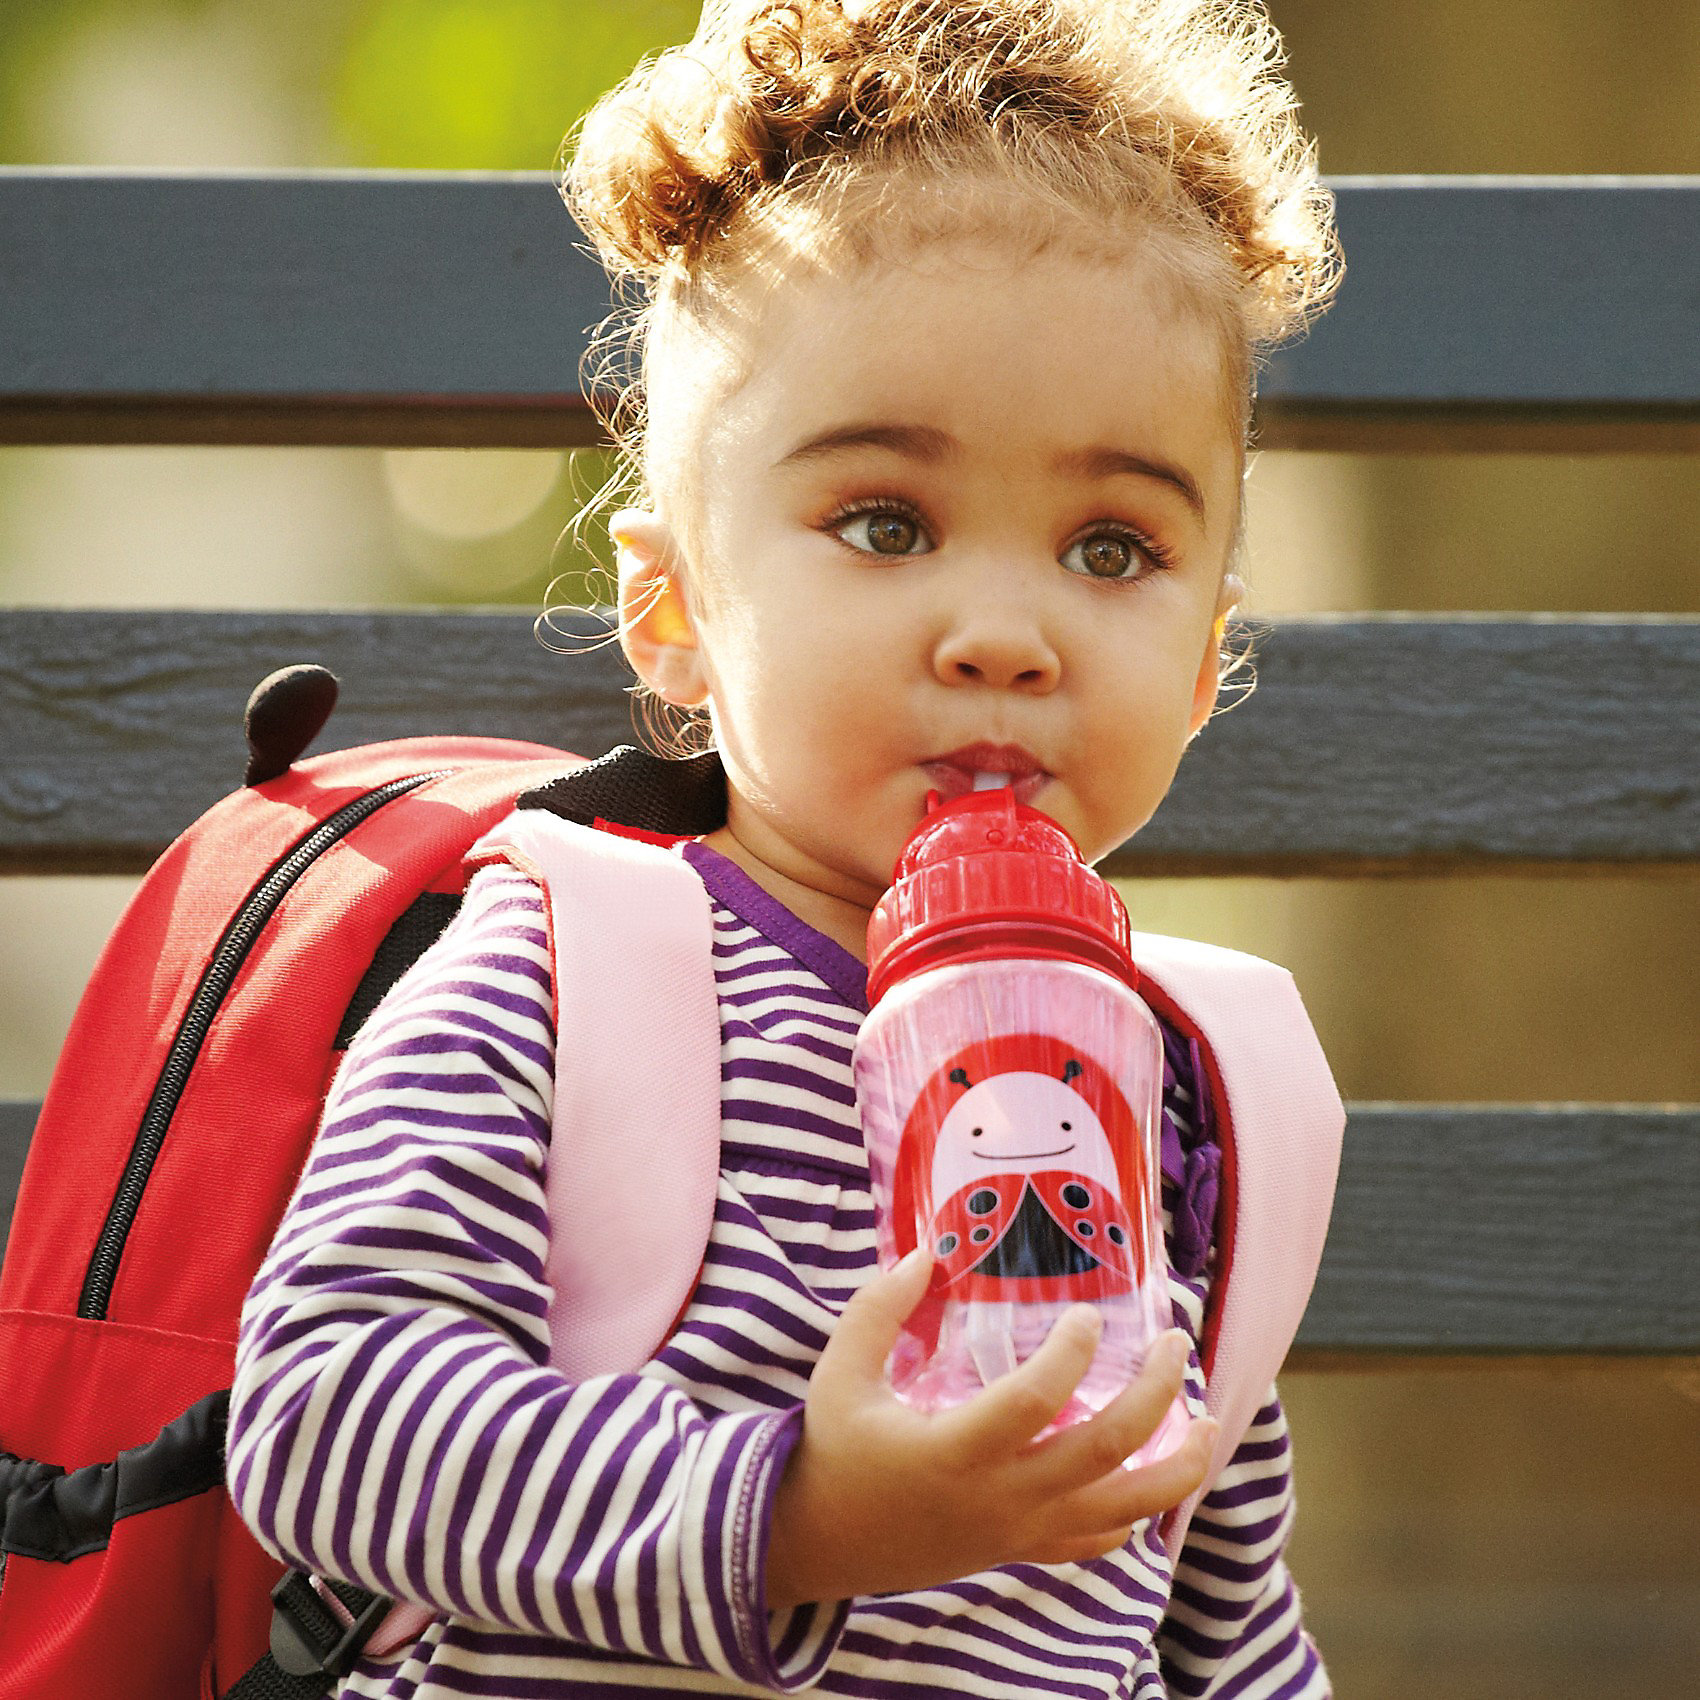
(1070, 1069)
(959, 1077)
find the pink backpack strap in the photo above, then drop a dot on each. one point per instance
(1279, 1119)
(634, 1152)
(634, 1158)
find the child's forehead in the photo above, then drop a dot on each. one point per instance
(816, 287)
(905, 320)
(1023, 343)
(1053, 352)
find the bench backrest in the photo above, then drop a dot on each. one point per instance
(1482, 314)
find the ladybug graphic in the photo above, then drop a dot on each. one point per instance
(1019, 1162)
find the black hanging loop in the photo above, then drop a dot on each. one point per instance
(287, 711)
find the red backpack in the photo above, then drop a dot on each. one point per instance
(176, 1125)
(180, 1117)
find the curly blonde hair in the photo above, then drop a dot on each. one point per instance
(1171, 109)
(813, 122)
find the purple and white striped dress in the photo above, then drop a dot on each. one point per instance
(395, 1421)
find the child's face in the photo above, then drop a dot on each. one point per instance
(929, 534)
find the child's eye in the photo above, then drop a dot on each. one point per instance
(882, 531)
(1115, 554)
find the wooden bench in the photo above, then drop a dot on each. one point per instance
(1481, 314)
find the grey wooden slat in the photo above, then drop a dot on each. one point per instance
(17, 1118)
(1503, 312)
(1370, 744)
(1468, 1229)
(428, 307)
(1480, 1229)
(291, 307)
(129, 725)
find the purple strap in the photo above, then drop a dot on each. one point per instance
(1191, 1158)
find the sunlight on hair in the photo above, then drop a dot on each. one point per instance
(566, 628)
(1237, 668)
(579, 606)
(790, 129)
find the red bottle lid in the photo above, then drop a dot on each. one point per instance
(985, 876)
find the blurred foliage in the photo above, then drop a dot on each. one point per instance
(402, 84)
(428, 84)
(465, 84)
(556, 554)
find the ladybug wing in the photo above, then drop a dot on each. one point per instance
(1093, 1217)
(973, 1218)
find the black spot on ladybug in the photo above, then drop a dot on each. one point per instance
(1034, 1243)
(1117, 1237)
(947, 1244)
(1075, 1196)
(1084, 1229)
(980, 1234)
(981, 1200)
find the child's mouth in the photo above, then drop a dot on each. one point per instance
(986, 767)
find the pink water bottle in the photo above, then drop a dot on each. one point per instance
(1009, 1081)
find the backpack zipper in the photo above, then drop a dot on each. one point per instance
(232, 951)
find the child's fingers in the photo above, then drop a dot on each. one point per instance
(1093, 1448)
(1005, 1416)
(865, 1332)
(1127, 1496)
(1079, 1549)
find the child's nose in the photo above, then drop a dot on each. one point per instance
(998, 647)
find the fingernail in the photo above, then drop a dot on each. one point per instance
(1088, 1318)
(1174, 1346)
(910, 1259)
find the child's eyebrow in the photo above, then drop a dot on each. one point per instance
(919, 442)
(928, 443)
(1106, 463)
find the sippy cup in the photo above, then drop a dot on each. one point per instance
(1009, 1083)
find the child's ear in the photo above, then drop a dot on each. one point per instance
(1209, 679)
(656, 628)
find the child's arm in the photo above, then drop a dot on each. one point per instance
(1233, 1629)
(394, 1420)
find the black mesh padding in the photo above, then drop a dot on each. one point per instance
(57, 1515)
(267, 1682)
(417, 928)
(628, 786)
(633, 788)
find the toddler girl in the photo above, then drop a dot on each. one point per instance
(952, 308)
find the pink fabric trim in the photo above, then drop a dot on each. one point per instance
(634, 1157)
(1285, 1119)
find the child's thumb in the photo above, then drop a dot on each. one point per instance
(867, 1330)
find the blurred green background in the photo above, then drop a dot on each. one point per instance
(1502, 1532)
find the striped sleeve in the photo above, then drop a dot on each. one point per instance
(394, 1419)
(1233, 1629)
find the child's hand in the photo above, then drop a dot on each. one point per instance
(879, 1498)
